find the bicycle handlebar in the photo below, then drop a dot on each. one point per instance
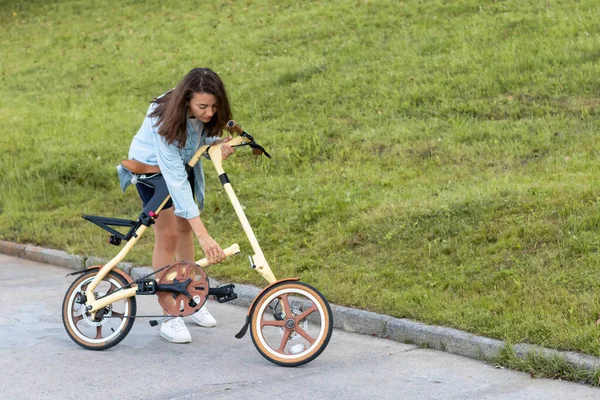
(233, 127)
(231, 250)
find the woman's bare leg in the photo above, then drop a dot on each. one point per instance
(185, 252)
(165, 239)
(185, 241)
(165, 247)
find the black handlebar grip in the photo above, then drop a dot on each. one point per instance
(232, 127)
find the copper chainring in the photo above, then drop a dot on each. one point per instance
(179, 304)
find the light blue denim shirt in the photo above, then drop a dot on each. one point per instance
(151, 148)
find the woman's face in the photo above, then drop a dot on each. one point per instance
(202, 106)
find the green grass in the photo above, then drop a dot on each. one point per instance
(540, 366)
(431, 160)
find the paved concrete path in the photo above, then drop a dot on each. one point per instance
(39, 361)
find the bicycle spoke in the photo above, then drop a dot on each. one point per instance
(304, 334)
(264, 323)
(287, 311)
(118, 315)
(284, 340)
(305, 314)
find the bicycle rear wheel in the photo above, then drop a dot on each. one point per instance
(115, 320)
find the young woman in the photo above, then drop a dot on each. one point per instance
(191, 115)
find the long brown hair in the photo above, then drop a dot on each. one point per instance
(172, 108)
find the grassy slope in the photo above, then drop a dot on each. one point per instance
(433, 160)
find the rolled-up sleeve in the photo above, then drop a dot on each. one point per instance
(173, 170)
(204, 140)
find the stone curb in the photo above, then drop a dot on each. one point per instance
(347, 319)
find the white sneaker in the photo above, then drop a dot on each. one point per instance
(203, 318)
(175, 331)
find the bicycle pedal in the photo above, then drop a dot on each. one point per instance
(146, 286)
(223, 293)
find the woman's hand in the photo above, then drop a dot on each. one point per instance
(213, 252)
(226, 150)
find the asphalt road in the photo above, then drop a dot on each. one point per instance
(39, 361)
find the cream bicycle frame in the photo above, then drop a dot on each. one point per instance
(261, 265)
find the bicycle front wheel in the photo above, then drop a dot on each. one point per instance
(291, 323)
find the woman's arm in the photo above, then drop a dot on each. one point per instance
(173, 171)
(226, 150)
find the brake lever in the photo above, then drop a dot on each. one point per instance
(256, 146)
(257, 149)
